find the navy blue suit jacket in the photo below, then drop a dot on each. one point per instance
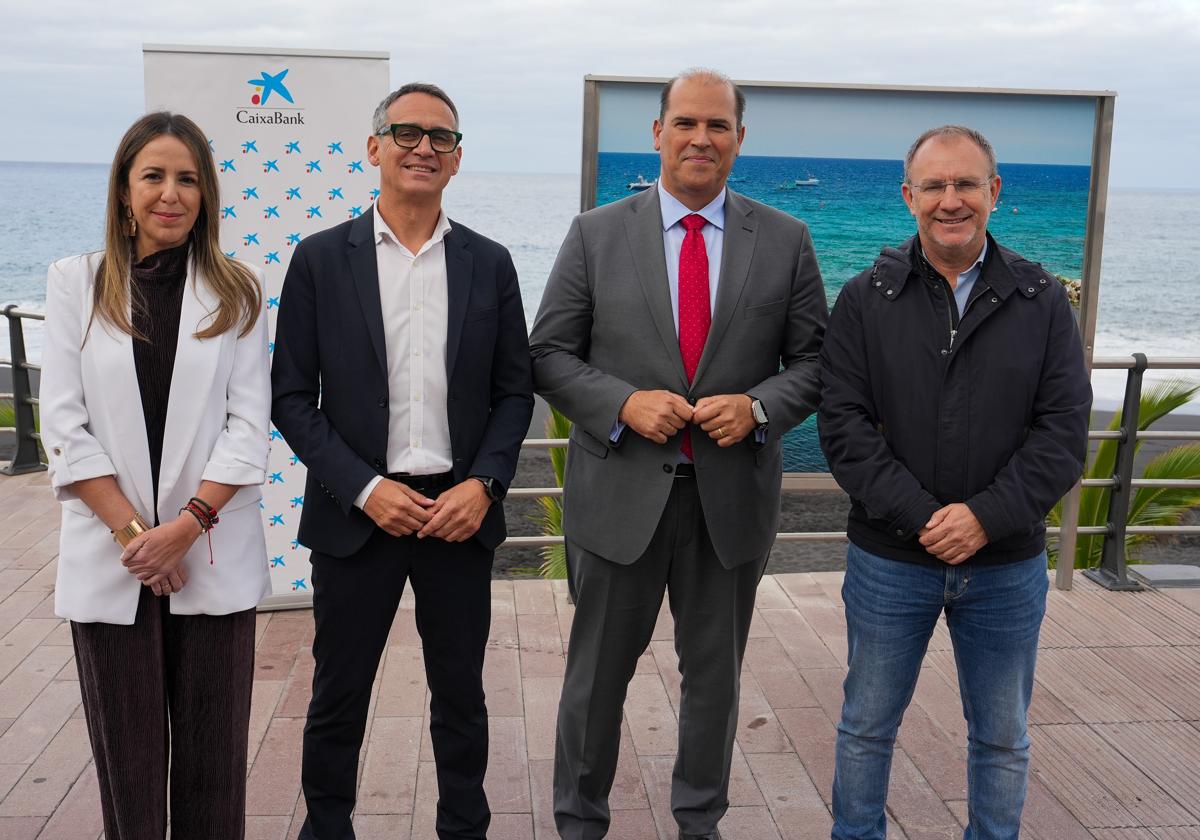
(329, 374)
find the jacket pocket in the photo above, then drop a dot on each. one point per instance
(480, 314)
(762, 309)
(588, 443)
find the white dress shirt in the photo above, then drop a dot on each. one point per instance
(414, 300)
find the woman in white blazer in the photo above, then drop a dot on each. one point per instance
(155, 402)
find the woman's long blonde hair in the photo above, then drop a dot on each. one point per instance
(238, 295)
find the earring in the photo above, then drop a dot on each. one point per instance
(131, 222)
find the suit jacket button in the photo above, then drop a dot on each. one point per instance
(668, 468)
(382, 403)
(379, 463)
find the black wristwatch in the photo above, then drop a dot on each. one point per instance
(760, 415)
(494, 489)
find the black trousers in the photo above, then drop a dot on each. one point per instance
(354, 601)
(168, 691)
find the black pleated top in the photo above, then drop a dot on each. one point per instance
(157, 286)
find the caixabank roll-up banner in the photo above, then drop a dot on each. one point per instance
(288, 131)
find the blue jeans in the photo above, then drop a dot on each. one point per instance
(994, 614)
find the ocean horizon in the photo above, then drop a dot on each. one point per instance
(1147, 241)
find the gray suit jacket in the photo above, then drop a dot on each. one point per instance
(605, 329)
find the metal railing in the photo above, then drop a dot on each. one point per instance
(1111, 573)
(27, 457)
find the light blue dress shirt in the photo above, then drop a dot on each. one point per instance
(966, 282)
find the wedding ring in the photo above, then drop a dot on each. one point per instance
(721, 429)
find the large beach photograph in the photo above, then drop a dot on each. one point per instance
(834, 158)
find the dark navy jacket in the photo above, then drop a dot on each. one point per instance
(330, 385)
(921, 409)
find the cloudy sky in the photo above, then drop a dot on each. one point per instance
(71, 71)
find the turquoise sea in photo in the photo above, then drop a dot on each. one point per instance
(854, 208)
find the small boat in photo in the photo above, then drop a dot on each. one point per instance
(810, 181)
(640, 184)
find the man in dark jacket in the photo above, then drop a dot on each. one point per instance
(954, 413)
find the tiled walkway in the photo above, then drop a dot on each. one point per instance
(1116, 716)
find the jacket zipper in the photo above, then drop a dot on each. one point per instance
(951, 312)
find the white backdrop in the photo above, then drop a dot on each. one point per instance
(288, 132)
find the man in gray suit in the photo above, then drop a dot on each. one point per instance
(679, 330)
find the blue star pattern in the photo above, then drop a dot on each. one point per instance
(281, 219)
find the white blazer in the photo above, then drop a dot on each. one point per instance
(92, 425)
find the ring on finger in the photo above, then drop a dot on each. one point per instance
(721, 429)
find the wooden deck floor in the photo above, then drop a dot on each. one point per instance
(1116, 716)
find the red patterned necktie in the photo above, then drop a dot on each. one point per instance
(695, 311)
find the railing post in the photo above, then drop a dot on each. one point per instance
(27, 458)
(1068, 538)
(1111, 572)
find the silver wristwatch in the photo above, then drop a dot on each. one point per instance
(760, 415)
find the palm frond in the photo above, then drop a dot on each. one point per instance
(554, 557)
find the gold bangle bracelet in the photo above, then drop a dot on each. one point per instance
(136, 526)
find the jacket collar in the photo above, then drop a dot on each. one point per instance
(1004, 271)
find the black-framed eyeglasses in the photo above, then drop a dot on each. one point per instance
(408, 136)
(963, 186)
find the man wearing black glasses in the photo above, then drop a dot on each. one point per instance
(954, 413)
(401, 379)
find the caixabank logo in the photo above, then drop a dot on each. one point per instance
(270, 88)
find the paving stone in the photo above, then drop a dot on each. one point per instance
(79, 818)
(796, 807)
(652, 723)
(541, 647)
(39, 723)
(49, 778)
(541, 695)
(275, 775)
(533, 596)
(507, 781)
(30, 677)
(388, 784)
